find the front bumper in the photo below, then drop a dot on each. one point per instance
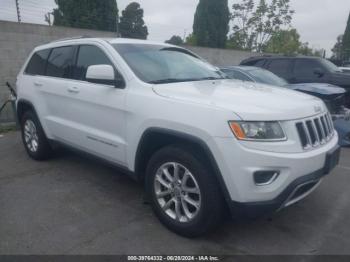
(300, 174)
(296, 191)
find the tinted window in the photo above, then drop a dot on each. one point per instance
(260, 63)
(37, 63)
(89, 55)
(60, 62)
(280, 67)
(306, 67)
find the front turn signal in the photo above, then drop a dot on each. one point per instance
(237, 130)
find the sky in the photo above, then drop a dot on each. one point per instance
(319, 22)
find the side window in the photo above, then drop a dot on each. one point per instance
(280, 67)
(37, 63)
(241, 76)
(305, 68)
(89, 55)
(260, 63)
(60, 62)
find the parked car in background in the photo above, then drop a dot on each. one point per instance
(303, 69)
(333, 96)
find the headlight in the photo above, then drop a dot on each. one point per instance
(259, 131)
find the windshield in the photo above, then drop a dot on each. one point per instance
(157, 64)
(330, 66)
(266, 77)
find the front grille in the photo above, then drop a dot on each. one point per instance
(315, 131)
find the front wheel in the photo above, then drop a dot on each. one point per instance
(184, 193)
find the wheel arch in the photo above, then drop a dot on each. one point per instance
(23, 106)
(154, 139)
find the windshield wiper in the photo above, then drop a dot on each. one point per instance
(209, 78)
(171, 80)
(177, 80)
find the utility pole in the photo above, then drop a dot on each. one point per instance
(18, 12)
(117, 25)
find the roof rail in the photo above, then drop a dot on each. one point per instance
(71, 38)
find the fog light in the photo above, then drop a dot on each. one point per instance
(264, 178)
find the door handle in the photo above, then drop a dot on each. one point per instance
(73, 90)
(37, 84)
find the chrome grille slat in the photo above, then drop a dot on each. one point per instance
(327, 125)
(330, 121)
(314, 132)
(322, 130)
(323, 123)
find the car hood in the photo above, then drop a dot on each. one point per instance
(318, 89)
(249, 101)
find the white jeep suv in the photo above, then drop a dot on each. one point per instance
(200, 143)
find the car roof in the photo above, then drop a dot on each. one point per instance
(272, 57)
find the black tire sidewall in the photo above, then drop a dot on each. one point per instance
(210, 196)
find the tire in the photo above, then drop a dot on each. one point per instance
(34, 138)
(201, 218)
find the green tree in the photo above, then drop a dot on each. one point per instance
(90, 14)
(211, 21)
(285, 42)
(175, 40)
(132, 24)
(304, 49)
(254, 24)
(338, 49)
(191, 40)
(346, 42)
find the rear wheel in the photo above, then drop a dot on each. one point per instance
(34, 138)
(184, 194)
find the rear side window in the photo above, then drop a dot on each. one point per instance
(37, 63)
(89, 55)
(280, 67)
(258, 63)
(60, 62)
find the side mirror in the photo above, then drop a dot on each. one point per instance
(104, 74)
(319, 72)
